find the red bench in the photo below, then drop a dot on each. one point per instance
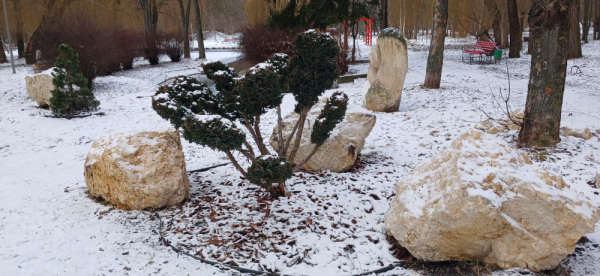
(484, 49)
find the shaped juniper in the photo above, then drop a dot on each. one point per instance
(212, 119)
(71, 94)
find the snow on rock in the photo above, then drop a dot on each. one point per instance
(39, 87)
(144, 170)
(482, 199)
(385, 79)
(579, 133)
(339, 152)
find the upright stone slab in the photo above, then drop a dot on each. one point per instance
(39, 87)
(385, 79)
(144, 170)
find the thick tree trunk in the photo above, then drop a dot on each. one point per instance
(504, 24)
(384, 15)
(435, 61)
(587, 14)
(200, 36)
(515, 29)
(185, 22)
(574, 50)
(549, 27)
(2, 54)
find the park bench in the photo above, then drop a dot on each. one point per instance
(484, 49)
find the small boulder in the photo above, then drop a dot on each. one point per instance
(584, 134)
(385, 79)
(39, 87)
(339, 152)
(483, 199)
(144, 170)
(490, 127)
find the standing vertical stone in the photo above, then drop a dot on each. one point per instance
(385, 80)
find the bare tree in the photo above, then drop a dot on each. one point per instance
(435, 61)
(199, 36)
(549, 22)
(587, 15)
(574, 50)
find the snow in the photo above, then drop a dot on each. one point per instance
(48, 225)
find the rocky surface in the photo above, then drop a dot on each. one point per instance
(39, 87)
(483, 199)
(144, 170)
(387, 72)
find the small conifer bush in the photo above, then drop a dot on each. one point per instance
(71, 94)
(215, 118)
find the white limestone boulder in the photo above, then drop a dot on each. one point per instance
(483, 199)
(144, 170)
(39, 87)
(387, 72)
(339, 152)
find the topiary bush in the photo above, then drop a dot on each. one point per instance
(214, 119)
(71, 94)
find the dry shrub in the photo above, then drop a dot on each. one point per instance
(259, 42)
(172, 46)
(152, 46)
(130, 44)
(343, 59)
(99, 49)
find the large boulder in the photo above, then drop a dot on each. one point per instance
(144, 170)
(39, 87)
(482, 199)
(385, 79)
(339, 152)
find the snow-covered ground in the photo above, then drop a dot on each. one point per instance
(48, 225)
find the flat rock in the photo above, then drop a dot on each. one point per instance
(483, 199)
(144, 170)
(579, 133)
(339, 152)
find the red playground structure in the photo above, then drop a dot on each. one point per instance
(368, 30)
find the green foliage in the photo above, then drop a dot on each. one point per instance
(255, 93)
(71, 94)
(182, 97)
(269, 169)
(280, 63)
(223, 75)
(213, 131)
(393, 33)
(330, 116)
(313, 67)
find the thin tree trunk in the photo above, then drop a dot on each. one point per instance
(435, 61)
(549, 26)
(200, 36)
(493, 9)
(597, 21)
(3, 58)
(574, 50)
(185, 22)
(587, 14)
(19, 29)
(504, 23)
(515, 29)
(384, 15)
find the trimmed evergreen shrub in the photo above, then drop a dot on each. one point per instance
(212, 120)
(280, 63)
(71, 94)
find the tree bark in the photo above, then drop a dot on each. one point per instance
(200, 36)
(515, 29)
(587, 14)
(19, 29)
(384, 15)
(550, 27)
(493, 9)
(504, 23)
(597, 22)
(574, 50)
(3, 58)
(185, 22)
(435, 61)
(150, 11)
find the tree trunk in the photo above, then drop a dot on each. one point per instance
(493, 9)
(384, 15)
(3, 58)
(587, 14)
(504, 24)
(200, 36)
(515, 29)
(150, 11)
(19, 29)
(574, 50)
(549, 27)
(185, 22)
(435, 61)
(597, 22)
